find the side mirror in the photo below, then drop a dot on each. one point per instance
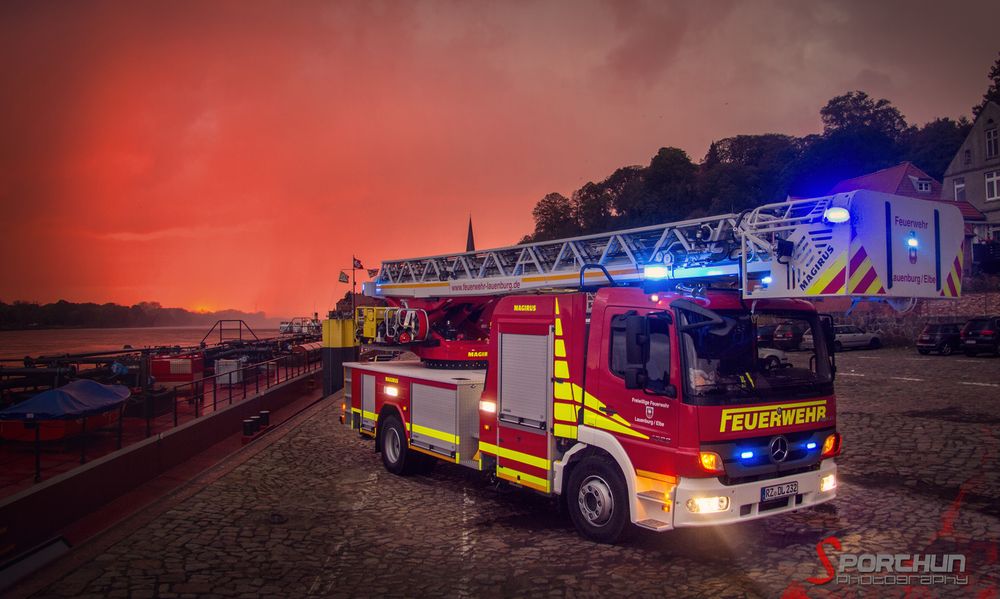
(636, 341)
(636, 351)
(635, 378)
(826, 321)
(828, 335)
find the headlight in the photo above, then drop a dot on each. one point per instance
(828, 483)
(707, 505)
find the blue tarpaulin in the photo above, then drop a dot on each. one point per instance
(74, 400)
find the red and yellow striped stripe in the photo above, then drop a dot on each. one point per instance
(833, 279)
(864, 280)
(952, 286)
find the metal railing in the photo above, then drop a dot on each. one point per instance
(141, 417)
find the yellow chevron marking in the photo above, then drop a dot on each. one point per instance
(563, 391)
(565, 411)
(561, 369)
(828, 275)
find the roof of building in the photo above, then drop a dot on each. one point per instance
(902, 180)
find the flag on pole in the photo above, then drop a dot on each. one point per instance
(373, 272)
(357, 263)
(343, 278)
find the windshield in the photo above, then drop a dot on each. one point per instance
(978, 324)
(729, 363)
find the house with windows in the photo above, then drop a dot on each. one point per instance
(974, 176)
(906, 179)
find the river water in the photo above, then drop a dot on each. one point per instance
(17, 344)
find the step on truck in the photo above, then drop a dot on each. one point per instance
(621, 371)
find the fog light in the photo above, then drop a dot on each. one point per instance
(707, 505)
(828, 483)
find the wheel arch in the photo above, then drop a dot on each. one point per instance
(594, 442)
(388, 410)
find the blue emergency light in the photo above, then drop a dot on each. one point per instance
(746, 455)
(655, 271)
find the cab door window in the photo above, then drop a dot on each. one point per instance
(655, 344)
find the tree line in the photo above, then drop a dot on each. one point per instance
(63, 314)
(860, 135)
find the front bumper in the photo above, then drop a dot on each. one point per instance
(744, 499)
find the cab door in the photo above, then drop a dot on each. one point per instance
(642, 408)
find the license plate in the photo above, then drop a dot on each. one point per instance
(970, 341)
(779, 491)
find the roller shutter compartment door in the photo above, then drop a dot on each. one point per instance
(524, 378)
(433, 417)
(367, 401)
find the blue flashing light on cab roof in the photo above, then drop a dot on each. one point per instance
(655, 271)
(836, 214)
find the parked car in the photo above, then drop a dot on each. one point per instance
(765, 335)
(942, 338)
(847, 336)
(772, 359)
(981, 335)
(788, 335)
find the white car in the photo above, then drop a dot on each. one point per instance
(846, 336)
(772, 359)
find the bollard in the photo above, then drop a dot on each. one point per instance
(248, 431)
(265, 418)
(256, 423)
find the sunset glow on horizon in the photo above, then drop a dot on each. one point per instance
(236, 155)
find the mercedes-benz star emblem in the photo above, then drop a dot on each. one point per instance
(779, 449)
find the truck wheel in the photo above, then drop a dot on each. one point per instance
(598, 500)
(396, 456)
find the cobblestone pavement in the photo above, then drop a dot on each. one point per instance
(315, 514)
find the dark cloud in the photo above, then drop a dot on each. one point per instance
(145, 147)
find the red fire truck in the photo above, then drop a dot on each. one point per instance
(622, 372)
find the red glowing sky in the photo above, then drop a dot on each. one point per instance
(214, 155)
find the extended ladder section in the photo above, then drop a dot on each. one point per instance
(858, 244)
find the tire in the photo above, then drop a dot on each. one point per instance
(875, 343)
(923, 352)
(396, 456)
(597, 499)
(838, 346)
(772, 363)
(946, 349)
